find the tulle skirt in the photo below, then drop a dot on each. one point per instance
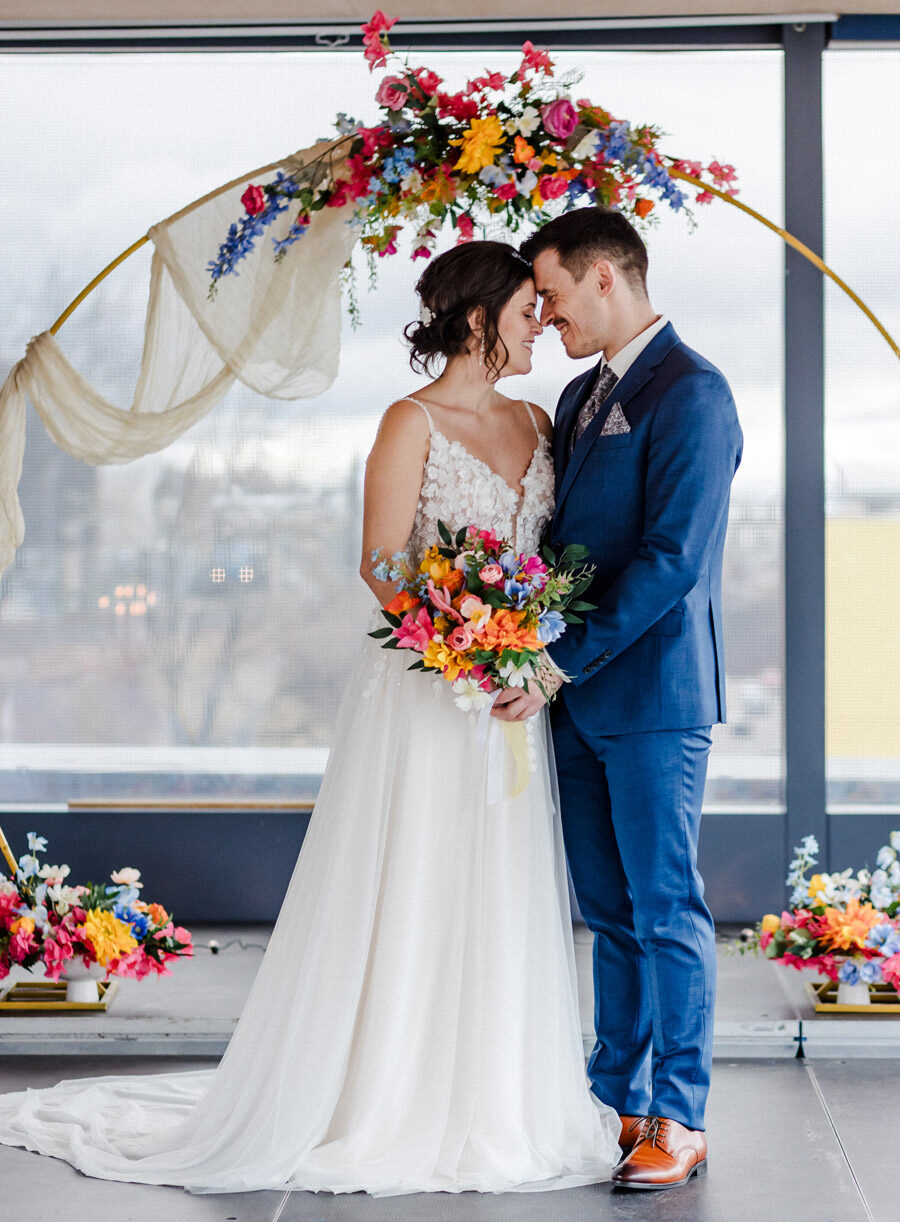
(414, 1023)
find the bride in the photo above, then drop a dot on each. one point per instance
(413, 1025)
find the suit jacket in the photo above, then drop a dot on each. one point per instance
(651, 505)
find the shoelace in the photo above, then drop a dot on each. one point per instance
(656, 1131)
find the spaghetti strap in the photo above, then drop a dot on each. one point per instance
(532, 419)
(426, 411)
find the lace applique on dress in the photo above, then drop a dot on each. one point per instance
(460, 490)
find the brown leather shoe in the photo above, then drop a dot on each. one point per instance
(631, 1131)
(665, 1155)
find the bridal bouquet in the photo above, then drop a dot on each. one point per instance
(479, 613)
(46, 922)
(845, 926)
(503, 149)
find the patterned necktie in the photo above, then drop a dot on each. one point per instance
(593, 403)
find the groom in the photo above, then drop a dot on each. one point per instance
(646, 445)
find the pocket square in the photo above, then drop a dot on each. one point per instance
(615, 422)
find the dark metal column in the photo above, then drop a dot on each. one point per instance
(804, 508)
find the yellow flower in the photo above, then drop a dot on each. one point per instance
(439, 656)
(109, 936)
(435, 566)
(770, 923)
(816, 885)
(22, 925)
(480, 144)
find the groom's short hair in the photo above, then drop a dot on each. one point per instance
(585, 235)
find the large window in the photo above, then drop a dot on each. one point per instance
(183, 626)
(861, 89)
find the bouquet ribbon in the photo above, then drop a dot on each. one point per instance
(515, 736)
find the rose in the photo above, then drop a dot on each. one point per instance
(560, 118)
(254, 200)
(392, 93)
(492, 575)
(553, 186)
(461, 638)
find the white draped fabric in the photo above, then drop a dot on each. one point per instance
(273, 326)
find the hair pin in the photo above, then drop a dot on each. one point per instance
(426, 316)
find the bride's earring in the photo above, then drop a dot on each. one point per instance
(482, 351)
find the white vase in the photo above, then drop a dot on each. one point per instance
(81, 982)
(853, 994)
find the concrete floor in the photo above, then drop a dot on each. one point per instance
(791, 1140)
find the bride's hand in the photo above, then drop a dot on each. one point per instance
(515, 704)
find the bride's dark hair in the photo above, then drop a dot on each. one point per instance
(481, 275)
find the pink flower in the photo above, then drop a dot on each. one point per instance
(535, 60)
(375, 39)
(428, 80)
(55, 953)
(478, 674)
(421, 252)
(465, 227)
(392, 93)
(415, 633)
(442, 601)
(508, 190)
(552, 186)
(488, 538)
(339, 194)
(764, 940)
(890, 970)
(560, 118)
(689, 167)
(704, 198)
(721, 173)
(461, 638)
(491, 575)
(379, 22)
(9, 902)
(534, 164)
(254, 200)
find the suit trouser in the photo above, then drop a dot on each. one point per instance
(631, 816)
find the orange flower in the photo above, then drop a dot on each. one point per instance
(402, 602)
(504, 630)
(523, 151)
(843, 930)
(643, 207)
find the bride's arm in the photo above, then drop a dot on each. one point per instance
(394, 472)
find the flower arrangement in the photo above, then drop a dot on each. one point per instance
(503, 148)
(46, 922)
(845, 926)
(479, 613)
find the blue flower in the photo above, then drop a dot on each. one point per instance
(518, 591)
(870, 972)
(848, 973)
(38, 844)
(397, 164)
(550, 626)
(139, 921)
(509, 562)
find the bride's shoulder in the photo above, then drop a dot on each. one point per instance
(407, 419)
(542, 420)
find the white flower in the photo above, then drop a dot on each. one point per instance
(63, 898)
(881, 893)
(469, 696)
(895, 841)
(7, 886)
(527, 182)
(885, 856)
(524, 124)
(515, 676)
(586, 147)
(412, 181)
(58, 872)
(128, 877)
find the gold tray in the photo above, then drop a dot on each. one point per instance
(50, 996)
(885, 999)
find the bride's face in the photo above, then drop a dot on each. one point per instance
(518, 328)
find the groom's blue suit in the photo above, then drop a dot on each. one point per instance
(631, 729)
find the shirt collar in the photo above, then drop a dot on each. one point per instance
(626, 357)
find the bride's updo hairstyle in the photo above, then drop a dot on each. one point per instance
(474, 275)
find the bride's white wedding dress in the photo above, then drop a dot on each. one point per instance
(413, 1025)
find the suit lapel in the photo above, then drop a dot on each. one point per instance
(636, 377)
(566, 415)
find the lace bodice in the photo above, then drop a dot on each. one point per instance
(459, 490)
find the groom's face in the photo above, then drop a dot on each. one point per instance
(577, 308)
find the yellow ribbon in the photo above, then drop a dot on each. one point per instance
(516, 734)
(7, 853)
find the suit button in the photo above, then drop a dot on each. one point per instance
(606, 655)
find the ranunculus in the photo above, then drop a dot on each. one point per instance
(770, 923)
(509, 190)
(492, 575)
(461, 638)
(254, 200)
(392, 93)
(552, 186)
(560, 118)
(402, 602)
